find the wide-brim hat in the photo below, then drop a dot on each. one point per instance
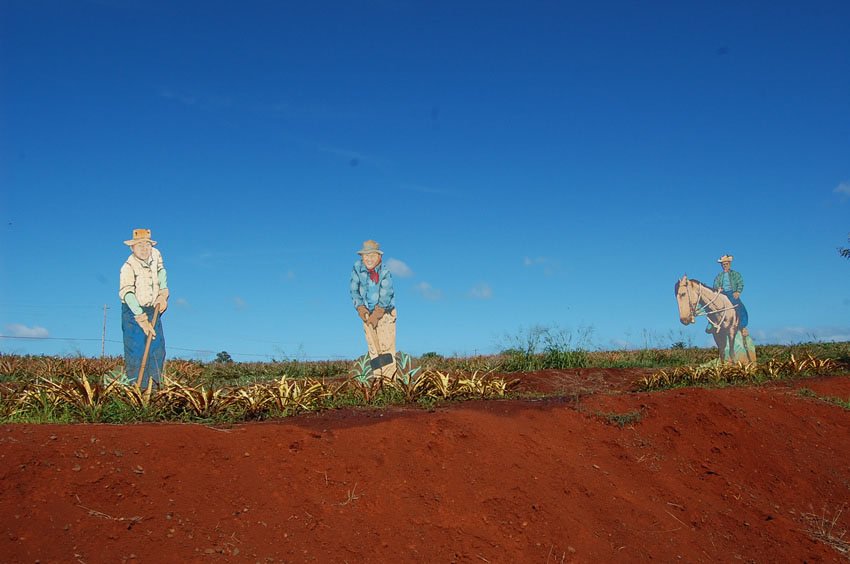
(140, 236)
(370, 247)
(725, 258)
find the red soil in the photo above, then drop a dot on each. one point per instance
(704, 476)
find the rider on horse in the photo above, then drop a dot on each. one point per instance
(731, 283)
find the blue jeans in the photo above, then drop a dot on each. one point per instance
(743, 317)
(134, 347)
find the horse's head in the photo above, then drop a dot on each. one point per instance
(686, 300)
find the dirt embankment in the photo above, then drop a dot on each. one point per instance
(703, 476)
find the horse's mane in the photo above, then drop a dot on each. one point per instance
(676, 290)
(701, 284)
(721, 298)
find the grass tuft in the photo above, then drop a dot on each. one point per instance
(825, 529)
(808, 393)
(620, 419)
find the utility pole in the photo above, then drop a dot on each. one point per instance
(103, 335)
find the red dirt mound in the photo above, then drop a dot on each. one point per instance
(702, 476)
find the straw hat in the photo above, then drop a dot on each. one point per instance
(370, 246)
(725, 258)
(139, 236)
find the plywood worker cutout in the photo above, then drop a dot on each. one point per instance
(143, 290)
(374, 299)
(731, 283)
(721, 304)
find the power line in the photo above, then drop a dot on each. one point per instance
(103, 340)
(45, 306)
(203, 351)
(53, 338)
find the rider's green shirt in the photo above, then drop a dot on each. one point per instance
(735, 280)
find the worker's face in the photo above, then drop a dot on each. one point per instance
(726, 266)
(371, 260)
(142, 250)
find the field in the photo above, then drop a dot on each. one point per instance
(573, 464)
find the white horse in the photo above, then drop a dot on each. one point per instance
(696, 299)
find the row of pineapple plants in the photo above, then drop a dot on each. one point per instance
(109, 398)
(554, 354)
(717, 373)
(26, 368)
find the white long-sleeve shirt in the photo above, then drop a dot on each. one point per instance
(143, 279)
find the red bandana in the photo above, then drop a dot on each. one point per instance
(373, 275)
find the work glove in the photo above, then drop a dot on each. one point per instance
(162, 300)
(363, 312)
(145, 324)
(376, 316)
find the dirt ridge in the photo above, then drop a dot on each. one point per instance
(702, 476)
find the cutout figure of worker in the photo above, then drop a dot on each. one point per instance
(374, 299)
(143, 290)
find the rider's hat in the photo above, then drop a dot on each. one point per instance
(725, 258)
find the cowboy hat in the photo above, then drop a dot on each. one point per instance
(725, 258)
(139, 236)
(370, 246)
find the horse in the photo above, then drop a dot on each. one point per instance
(695, 299)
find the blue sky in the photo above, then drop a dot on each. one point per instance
(521, 164)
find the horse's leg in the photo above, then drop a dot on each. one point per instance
(719, 340)
(728, 340)
(733, 332)
(745, 335)
(733, 356)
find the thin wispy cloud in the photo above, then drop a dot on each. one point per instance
(799, 334)
(481, 291)
(194, 100)
(428, 292)
(425, 189)
(120, 4)
(203, 259)
(547, 264)
(344, 153)
(353, 158)
(170, 94)
(288, 110)
(20, 330)
(270, 257)
(843, 189)
(182, 302)
(399, 268)
(288, 276)
(239, 302)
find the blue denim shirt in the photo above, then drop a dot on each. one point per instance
(365, 292)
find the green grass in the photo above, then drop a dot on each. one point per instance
(808, 393)
(536, 349)
(619, 419)
(539, 348)
(242, 373)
